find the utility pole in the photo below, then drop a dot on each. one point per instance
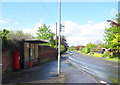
(56, 37)
(59, 60)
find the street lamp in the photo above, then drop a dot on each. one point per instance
(59, 60)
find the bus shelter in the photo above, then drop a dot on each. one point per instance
(31, 52)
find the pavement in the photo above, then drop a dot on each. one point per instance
(47, 73)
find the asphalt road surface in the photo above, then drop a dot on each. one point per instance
(103, 71)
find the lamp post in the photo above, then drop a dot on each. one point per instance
(59, 60)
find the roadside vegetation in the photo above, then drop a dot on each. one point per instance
(10, 37)
(46, 34)
(110, 49)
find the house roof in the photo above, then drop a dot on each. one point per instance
(99, 46)
(36, 41)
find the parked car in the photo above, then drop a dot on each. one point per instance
(71, 53)
(99, 52)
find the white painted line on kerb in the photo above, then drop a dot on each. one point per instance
(103, 82)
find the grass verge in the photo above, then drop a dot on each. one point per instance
(112, 59)
(98, 55)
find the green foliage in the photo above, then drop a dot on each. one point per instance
(71, 48)
(81, 49)
(112, 34)
(45, 33)
(9, 38)
(105, 46)
(64, 42)
(87, 50)
(90, 45)
(106, 54)
(98, 55)
(115, 55)
(90, 48)
(5, 40)
(4, 35)
(18, 35)
(112, 59)
(62, 48)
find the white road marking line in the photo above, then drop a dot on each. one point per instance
(103, 82)
(84, 71)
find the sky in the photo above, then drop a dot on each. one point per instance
(83, 22)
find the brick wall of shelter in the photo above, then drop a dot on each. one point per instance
(46, 53)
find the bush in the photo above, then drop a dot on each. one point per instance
(62, 49)
(106, 54)
(115, 55)
(91, 53)
(98, 55)
(5, 40)
(87, 50)
(83, 50)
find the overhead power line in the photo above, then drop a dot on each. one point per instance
(47, 11)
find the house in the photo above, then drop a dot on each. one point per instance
(78, 47)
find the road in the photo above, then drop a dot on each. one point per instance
(101, 70)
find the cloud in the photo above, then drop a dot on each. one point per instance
(32, 31)
(90, 22)
(4, 21)
(16, 23)
(77, 34)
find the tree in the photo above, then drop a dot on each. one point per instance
(112, 34)
(62, 49)
(45, 33)
(71, 48)
(19, 35)
(64, 43)
(5, 40)
(90, 47)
